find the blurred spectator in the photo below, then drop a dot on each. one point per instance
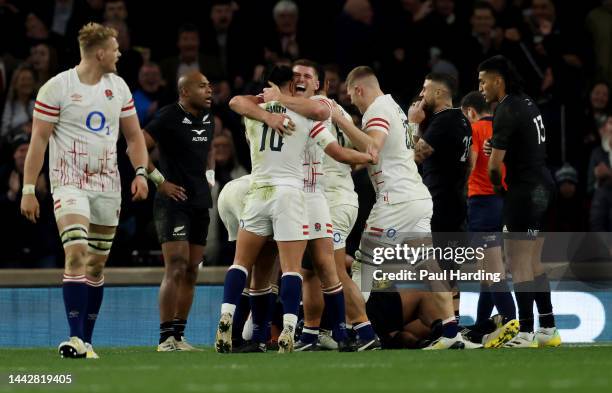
(63, 11)
(147, 97)
(597, 110)
(26, 244)
(189, 58)
(332, 78)
(115, 11)
(225, 39)
(600, 164)
(485, 40)
(43, 59)
(285, 40)
(567, 211)
(17, 115)
(130, 61)
(218, 250)
(355, 44)
(598, 24)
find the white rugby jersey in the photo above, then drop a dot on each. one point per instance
(278, 160)
(314, 157)
(83, 146)
(395, 178)
(337, 181)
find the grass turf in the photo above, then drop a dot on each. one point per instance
(584, 369)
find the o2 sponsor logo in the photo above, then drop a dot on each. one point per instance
(337, 237)
(96, 122)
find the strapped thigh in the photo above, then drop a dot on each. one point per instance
(74, 234)
(100, 243)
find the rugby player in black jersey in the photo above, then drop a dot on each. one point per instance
(519, 141)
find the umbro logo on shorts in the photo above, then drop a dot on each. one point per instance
(186, 121)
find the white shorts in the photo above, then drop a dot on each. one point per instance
(319, 219)
(278, 210)
(100, 208)
(393, 224)
(230, 215)
(343, 219)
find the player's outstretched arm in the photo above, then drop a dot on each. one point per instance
(139, 157)
(247, 106)
(41, 132)
(350, 156)
(311, 109)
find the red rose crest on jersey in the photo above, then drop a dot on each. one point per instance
(317, 227)
(109, 94)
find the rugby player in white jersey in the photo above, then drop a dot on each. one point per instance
(326, 181)
(275, 205)
(79, 113)
(403, 208)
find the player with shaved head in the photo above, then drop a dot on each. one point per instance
(183, 133)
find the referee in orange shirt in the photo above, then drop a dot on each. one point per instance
(485, 216)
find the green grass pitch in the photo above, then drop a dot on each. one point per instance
(565, 369)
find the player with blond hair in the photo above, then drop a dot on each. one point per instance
(79, 113)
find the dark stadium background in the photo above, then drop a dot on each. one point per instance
(563, 63)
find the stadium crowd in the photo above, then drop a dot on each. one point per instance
(563, 50)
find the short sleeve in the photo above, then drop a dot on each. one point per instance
(326, 102)
(321, 135)
(502, 130)
(48, 101)
(378, 120)
(435, 135)
(127, 104)
(155, 127)
(477, 140)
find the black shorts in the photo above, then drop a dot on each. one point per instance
(526, 209)
(179, 221)
(384, 309)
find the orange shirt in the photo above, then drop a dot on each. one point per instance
(478, 182)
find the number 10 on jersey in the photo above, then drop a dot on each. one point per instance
(276, 141)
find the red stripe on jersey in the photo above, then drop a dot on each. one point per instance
(304, 226)
(376, 173)
(328, 225)
(45, 112)
(330, 231)
(306, 233)
(130, 101)
(375, 119)
(377, 229)
(316, 133)
(326, 102)
(55, 108)
(317, 127)
(380, 182)
(381, 125)
(127, 108)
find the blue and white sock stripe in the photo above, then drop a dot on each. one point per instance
(296, 274)
(333, 289)
(260, 292)
(239, 267)
(75, 278)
